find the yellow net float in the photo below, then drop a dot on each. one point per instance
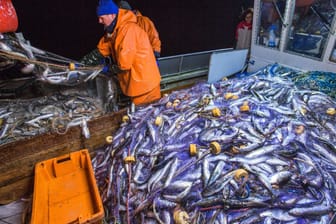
(215, 148)
(299, 129)
(245, 107)
(129, 159)
(234, 150)
(235, 97)
(181, 217)
(331, 111)
(109, 139)
(72, 66)
(216, 112)
(241, 174)
(228, 96)
(125, 118)
(193, 149)
(205, 101)
(176, 102)
(169, 105)
(303, 111)
(158, 121)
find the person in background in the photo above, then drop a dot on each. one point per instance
(244, 30)
(147, 25)
(130, 52)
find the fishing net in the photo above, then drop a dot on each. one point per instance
(311, 80)
(316, 80)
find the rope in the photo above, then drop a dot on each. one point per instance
(15, 56)
(55, 127)
(129, 189)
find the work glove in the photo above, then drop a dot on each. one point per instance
(105, 69)
(106, 61)
(115, 69)
(93, 58)
(110, 67)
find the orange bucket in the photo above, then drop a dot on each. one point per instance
(65, 191)
(8, 17)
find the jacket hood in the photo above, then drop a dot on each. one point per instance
(125, 16)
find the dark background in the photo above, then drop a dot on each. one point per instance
(70, 28)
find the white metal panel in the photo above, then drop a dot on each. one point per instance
(263, 56)
(223, 64)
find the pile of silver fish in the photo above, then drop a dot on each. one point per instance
(24, 118)
(243, 150)
(46, 67)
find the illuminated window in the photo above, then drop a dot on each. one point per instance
(271, 21)
(310, 27)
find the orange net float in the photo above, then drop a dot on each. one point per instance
(8, 17)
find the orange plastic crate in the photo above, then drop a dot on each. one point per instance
(65, 191)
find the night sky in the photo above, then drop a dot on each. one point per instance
(70, 28)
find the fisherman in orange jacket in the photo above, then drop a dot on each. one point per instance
(147, 25)
(132, 56)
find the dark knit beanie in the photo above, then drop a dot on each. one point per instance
(125, 5)
(106, 7)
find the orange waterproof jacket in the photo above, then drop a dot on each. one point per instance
(130, 48)
(145, 23)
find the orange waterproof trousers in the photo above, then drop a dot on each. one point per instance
(148, 97)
